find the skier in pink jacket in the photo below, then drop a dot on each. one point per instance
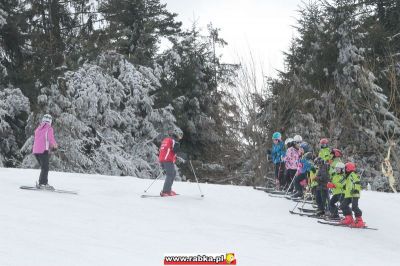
(44, 142)
(291, 161)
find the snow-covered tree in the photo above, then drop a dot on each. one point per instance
(14, 109)
(3, 22)
(135, 27)
(14, 106)
(192, 76)
(367, 108)
(329, 89)
(104, 118)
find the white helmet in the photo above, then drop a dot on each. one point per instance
(298, 138)
(340, 165)
(47, 119)
(177, 132)
(288, 140)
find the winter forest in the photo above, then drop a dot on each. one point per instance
(98, 67)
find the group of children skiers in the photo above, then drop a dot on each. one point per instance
(296, 168)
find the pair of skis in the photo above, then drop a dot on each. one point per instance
(265, 189)
(157, 196)
(333, 223)
(49, 190)
(177, 195)
(328, 221)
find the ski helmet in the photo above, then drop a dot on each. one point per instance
(298, 139)
(324, 142)
(318, 161)
(306, 148)
(288, 141)
(350, 167)
(277, 135)
(47, 119)
(176, 132)
(308, 156)
(340, 166)
(337, 153)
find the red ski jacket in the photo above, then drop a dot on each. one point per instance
(168, 150)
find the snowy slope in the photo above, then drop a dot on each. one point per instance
(109, 224)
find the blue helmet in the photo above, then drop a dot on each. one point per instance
(306, 148)
(277, 135)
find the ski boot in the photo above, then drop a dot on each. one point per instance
(320, 213)
(44, 186)
(358, 223)
(348, 220)
(48, 187)
(164, 194)
(172, 193)
(334, 216)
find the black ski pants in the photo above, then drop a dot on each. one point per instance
(169, 168)
(332, 203)
(321, 196)
(290, 173)
(43, 160)
(345, 206)
(280, 173)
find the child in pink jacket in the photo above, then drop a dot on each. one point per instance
(43, 143)
(291, 162)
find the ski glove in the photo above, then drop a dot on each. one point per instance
(330, 185)
(180, 160)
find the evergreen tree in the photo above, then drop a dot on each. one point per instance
(344, 101)
(12, 40)
(192, 76)
(104, 119)
(136, 26)
(14, 106)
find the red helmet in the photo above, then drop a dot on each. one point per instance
(324, 141)
(350, 167)
(337, 153)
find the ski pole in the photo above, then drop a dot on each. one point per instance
(154, 181)
(297, 203)
(201, 193)
(277, 181)
(304, 200)
(290, 185)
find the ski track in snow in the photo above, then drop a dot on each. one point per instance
(108, 223)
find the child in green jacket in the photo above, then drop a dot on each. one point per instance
(351, 196)
(336, 185)
(325, 152)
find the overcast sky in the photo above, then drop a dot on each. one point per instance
(262, 26)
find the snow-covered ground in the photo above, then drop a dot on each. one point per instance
(108, 223)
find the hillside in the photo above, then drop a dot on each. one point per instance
(108, 223)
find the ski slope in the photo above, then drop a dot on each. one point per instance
(108, 223)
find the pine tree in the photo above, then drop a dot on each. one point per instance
(191, 78)
(14, 106)
(345, 101)
(12, 40)
(136, 26)
(104, 119)
(51, 28)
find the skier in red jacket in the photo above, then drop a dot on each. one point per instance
(167, 157)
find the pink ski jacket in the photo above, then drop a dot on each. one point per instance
(292, 158)
(44, 138)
